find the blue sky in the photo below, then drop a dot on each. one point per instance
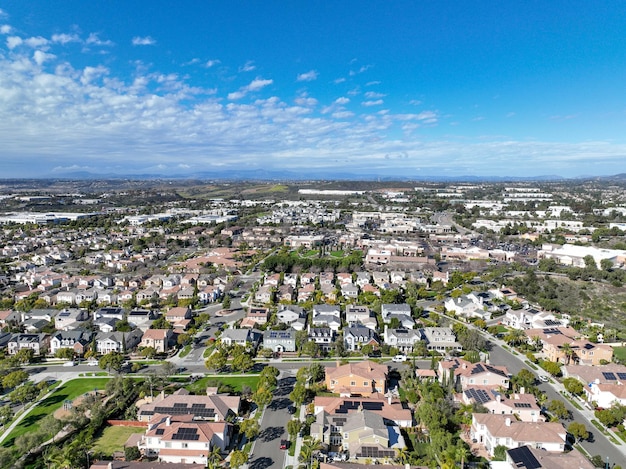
(415, 88)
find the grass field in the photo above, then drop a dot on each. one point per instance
(620, 354)
(113, 439)
(236, 382)
(69, 391)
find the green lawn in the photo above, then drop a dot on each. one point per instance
(620, 354)
(236, 382)
(69, 391)
(339, 253)
(113, 439)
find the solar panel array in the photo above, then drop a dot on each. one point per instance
(160, 431)
(522, 457)
(480, 396)
(374, 452)
(609, 376)
(478, 369)
(552, 322)
(522, 405)
(621, 375)
(185, 433)
(279, 335)
(197, 410)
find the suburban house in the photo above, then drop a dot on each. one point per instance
(39, 343)
(288, 313)
(402, 339)
(357, 379)
(77, 340)
(356, 336)
(492, 430)
(521, 405)
(527, 457)
(117, 341)
(213, 407)
(70, 319)
(322, 336)
(440, 339)
(280, 341)
(469, 374)
(564, 345)
(366, 437)
(243, 337)
(256, 316)
(357, 314)
(264, 294)
(9, 318)
(179, 317)
(181, 439)
(141, 318)
(159, 339)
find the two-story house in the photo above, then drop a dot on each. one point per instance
(159, 339)
(361, 379)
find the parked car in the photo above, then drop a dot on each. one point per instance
(543, 379)
(399, 358)
(284, 444)
(70, 363)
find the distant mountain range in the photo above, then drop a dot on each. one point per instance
(322, 174)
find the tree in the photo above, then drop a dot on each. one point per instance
(573, 385)
(65, 353)
(524, 379)
(216, 361)
(14, 379)
(238, 459)
(6, 414)
(161, 323)
(499, 453)
(111, 361)
(131, 453)
(568, 351)
(515, 337)
(24, 356)
(24, 393)
(250, 428)
(309, 447)
(298, 395)
(557, 408)
(551, 367)
(148, 352)
(293, 428)
(243, 362)
(227, 302)
(311, 349)
(262, 397)
(578, 431)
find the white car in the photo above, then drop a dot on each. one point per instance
(399, 358)
(543, 379)
(92, 363)
(70, 363)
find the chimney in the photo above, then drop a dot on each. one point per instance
(522, 390)
(498, 398)
(389, 398)
(168, 421)
(507, 422)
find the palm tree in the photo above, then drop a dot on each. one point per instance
(515, 337)
(403, 455)
(214, 458)
(568, 351)
(461, 453)
(309, 447)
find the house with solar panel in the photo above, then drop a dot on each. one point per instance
(520, 405)
(72, 318)
(357, 379)
(401, 338)
(467, 374)
(280, 341)
(366, 437)
(527, 457)
(211, 407)
(181, 439)
(492, 430)
(600, 383)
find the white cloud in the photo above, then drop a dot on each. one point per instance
(308, 76)
(5, 29)
(339, 80)
(40, 57)
(372, 83)
(94, 39)
(143, 41)
(212, 63)
(248, 67)
(306, 101)
(235, 95)
(370, 103)
(342, 114)
(374, 95)
(65, 38)
(36, 42)
(14, 41)
(342, 100)
(415, 102)
(259, 83)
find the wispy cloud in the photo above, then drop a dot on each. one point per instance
(255, 85)
(374, 95)
(308, 76)
(212, 63)
(376, 102)
(248, 66)
(94, 39)
(65, 38)
(6, 29)
(143, 41)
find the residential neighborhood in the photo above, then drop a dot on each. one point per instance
(411, 334)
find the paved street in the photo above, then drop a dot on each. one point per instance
(266, 452)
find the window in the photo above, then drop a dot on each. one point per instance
(366, 383)
(185, 445)
(168, 444)
(345, 436)
(352, 383)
